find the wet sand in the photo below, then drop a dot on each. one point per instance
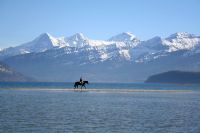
(103, 90)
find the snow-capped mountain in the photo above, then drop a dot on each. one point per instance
(46, 42)
(148, 47)
(40, 44)
(158, 47)
(182, 40)
(124, 45)
(78, 40)
(122, 57)
(124, 37)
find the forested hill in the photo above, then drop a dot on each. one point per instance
(179, 77)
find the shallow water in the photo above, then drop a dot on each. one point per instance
(91, 85)
(91, 111)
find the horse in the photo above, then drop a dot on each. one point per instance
(76, 84)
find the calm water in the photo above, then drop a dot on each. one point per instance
(64, 111)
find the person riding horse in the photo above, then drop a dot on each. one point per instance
(81, 83)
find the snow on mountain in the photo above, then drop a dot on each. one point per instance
(78, 40)
(99, 43)
(124, 45)
(149, 47)
(157, 47)
(106, 49)
(182, 40)
(181, 35)
(177, 41)
(124, 37)
(46, 41)
(40, 44)
(121, 54)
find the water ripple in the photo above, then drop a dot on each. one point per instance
(67, 111)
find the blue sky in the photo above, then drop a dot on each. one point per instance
(23, 20)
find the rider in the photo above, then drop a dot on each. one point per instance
(81, 81)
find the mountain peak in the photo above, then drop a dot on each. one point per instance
(77, 40)
(179, 35)
(78, 36)
(41, 43)
(182, 40)
(128, 34)
(124, 36)
(45, 34)
(48, 37)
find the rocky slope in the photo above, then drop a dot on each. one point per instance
(7, 75)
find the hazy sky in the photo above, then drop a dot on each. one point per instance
(23, 20)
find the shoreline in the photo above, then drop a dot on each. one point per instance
(100, 90)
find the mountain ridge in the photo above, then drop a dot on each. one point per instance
(125, 40)
(103, 60)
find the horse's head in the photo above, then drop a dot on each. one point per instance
(86, 82)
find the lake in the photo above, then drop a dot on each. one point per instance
(48, 107)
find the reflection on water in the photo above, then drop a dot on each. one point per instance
(91, 85)
(140, 112)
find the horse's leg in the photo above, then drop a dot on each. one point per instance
(84, 86)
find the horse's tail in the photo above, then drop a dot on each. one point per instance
(74, 85)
